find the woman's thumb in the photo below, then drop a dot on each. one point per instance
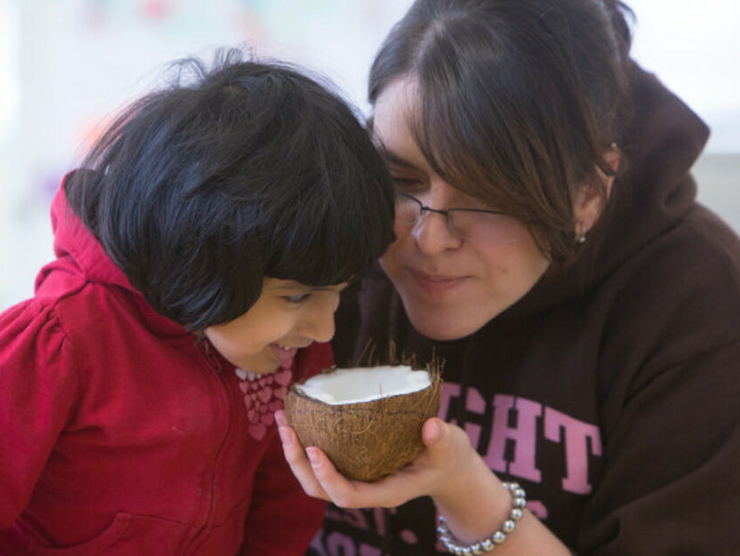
(432, 432)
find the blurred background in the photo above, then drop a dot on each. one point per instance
(67, 65)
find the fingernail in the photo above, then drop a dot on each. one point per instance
(433, 431)
(284, 436)
(280, 419)
(313, 456)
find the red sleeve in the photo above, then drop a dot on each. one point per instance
(38, 386)
(282, 519)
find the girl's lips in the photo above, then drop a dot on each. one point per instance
(436, 284)
(283, 355)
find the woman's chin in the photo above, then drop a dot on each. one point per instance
(444, 325)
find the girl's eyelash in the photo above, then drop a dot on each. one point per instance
(298, 298)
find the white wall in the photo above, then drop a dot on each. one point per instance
(694, 47)
(65, 65)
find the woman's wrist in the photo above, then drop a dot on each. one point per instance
(478, 506)
(486, 544)
(474, 502)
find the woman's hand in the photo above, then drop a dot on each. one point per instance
(439, 471)
(469, 495)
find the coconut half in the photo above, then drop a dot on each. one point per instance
(366, 420)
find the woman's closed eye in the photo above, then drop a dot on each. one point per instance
(408, 185)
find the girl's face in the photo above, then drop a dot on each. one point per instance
(450, 286)
(287, 316)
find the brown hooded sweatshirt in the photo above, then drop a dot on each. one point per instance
(611, 391)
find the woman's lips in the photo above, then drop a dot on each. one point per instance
(434, 283)
(282, 354)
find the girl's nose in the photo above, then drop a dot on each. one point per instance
(318, 324)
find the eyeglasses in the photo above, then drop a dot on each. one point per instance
(465, 223)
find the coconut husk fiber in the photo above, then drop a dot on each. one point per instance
(369, 440)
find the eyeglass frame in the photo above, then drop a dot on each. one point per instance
(446, 213)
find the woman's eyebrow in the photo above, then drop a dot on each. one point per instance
(392, 158)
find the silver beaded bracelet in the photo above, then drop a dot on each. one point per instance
(453, 545)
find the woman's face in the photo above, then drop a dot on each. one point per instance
(450, 286)
(287, 316)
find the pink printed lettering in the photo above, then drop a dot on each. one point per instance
(448, 391)
(380, 519)
(524, 436)
(580, 440)
(354, 517)
(538, 509)
(577, 435)
(409, 537)
(475, 404)
(317, 546)
(337, 541)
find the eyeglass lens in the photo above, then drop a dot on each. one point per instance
(466, 224)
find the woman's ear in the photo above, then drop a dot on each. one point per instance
(592, 196)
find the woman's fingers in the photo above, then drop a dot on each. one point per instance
(391, 491)
(419, 478)
(339, 490)
(296, 458)
(425, 475)
(316, 473)
(320, 479)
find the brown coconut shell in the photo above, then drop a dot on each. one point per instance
(368, 440)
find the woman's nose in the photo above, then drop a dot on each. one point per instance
(433, 235)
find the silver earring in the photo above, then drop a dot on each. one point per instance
(581, 233)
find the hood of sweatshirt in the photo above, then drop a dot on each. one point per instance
(81, 257)
(653, 190)
(77, 250)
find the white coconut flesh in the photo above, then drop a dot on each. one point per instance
(364, 384)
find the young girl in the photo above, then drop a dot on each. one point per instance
(550, 248)
(200, 254)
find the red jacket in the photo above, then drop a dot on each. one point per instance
(122, 434)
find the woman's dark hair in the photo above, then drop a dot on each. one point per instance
(518, 99)
(231, 174)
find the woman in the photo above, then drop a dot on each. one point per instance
(586, 307)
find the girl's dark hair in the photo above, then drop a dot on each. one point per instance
(230, 174)
(518, 99)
